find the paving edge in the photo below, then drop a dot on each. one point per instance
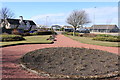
(34, 71)
(46, 75)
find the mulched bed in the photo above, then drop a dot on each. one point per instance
(68, 62)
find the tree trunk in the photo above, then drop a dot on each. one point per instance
(75, 28)
(74, 31)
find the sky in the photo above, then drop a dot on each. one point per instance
(49, 13)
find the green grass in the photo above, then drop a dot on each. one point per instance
(30, 40)
(88, 40)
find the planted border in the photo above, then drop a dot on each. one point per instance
(63, 62)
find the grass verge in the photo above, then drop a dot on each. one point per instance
(88, 40)
(29, 40)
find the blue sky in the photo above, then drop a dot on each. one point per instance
(48, 13)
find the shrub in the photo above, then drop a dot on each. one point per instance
(111, 39)
(5, 38)
(25, 31)
(16, 32)
(104, 35)
(25, 34)
(71, 33)
(87, 35)
(64, 32)
(32, 34)
(54, 33)
(39, 33)
(46, 33)
(118, 37)
(80, 34)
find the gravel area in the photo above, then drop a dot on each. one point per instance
(70, 62)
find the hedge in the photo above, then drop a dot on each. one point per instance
(87, 35)
(39, 33)
(6, 38)
(105, 35)
(71, 33)
(111, 39)
(81, 35)
(46, 33)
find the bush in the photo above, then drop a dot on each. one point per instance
(46, 33)
(111, 39)
(25, 34)
(5, 38)
(81, 35)
(32, 34)
(64, 32)
(16, 32)
(39, 33)
(54, 33)
(71, 33)
(104, 35)
(87, 35)
(25, 31)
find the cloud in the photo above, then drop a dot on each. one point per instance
(101, 15)
(59, 0)
(1, 5)
(49, 19)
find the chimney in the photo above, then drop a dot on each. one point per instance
(21, 18)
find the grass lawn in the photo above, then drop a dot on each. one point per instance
(41, 39)
(88, 40)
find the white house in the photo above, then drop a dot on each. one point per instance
(18, 23)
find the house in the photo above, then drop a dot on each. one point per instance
(104, 28)
(56, 27)
(18, 24)
(67, 27)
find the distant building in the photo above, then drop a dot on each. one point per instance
(67, 27)
(56, 27)
(18, 23)
(104, 28)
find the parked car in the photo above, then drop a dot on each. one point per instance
(83, 31)
(69, 30)
(32, 31)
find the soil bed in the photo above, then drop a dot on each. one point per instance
(68, 62)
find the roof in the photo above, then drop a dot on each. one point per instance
(13, 21)
(57, 26)
(16, 21)
(103, 26)
(87, 27)
(30, 21)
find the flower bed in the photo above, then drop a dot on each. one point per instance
(68, 62)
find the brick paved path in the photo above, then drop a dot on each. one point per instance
(12, 54)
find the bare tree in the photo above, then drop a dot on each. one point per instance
(77, 18)
(6, 13)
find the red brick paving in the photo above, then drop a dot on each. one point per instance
(12, 54)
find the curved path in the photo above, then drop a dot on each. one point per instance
(12, 54)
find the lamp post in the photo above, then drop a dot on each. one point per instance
(46, 20)
(94, 19)
(119, 14)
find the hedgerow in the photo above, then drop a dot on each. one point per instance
(6, 38)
